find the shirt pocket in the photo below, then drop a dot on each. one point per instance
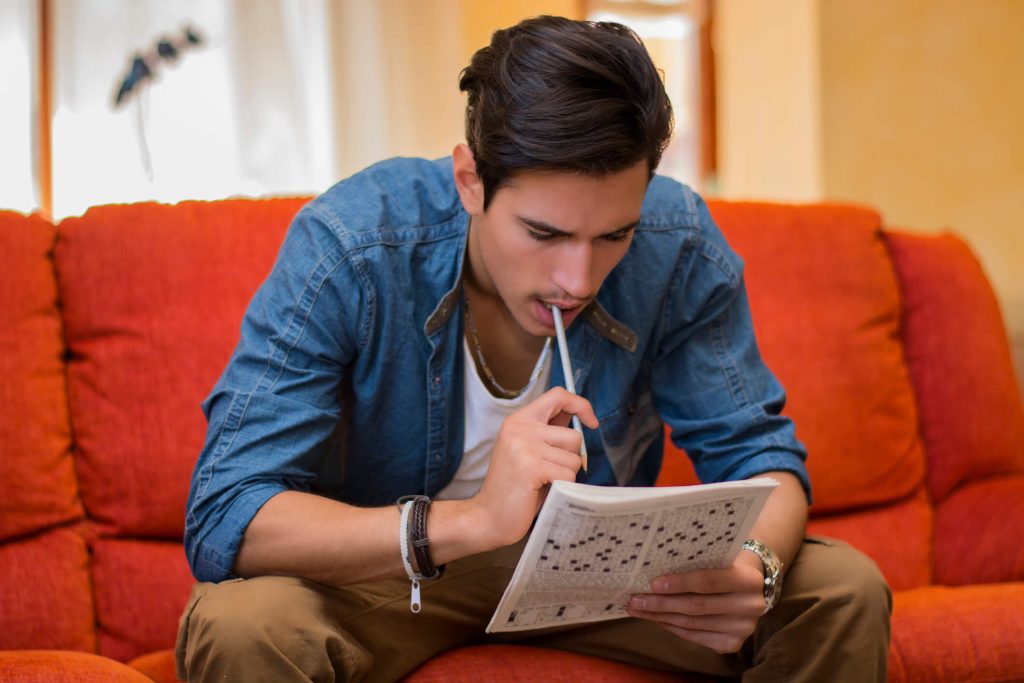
(627, 433)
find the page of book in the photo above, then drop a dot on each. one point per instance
(592, 547)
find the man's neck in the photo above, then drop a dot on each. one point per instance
(510, 354)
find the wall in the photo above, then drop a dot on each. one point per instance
(768, 99)
(924, 118)
(911, 106)
(397, 66)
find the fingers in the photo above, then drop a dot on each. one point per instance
(734, 579)
(556, 472)
(695, 605)
(566, 460)
(558, 401)
(720, 622)
(565, 438)
(537, 453)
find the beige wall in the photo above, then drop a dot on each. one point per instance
(768, 99)
(483, 17)
(924, 118)
(918, 110)
(397, 64)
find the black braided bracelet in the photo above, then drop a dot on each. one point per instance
(417, 538)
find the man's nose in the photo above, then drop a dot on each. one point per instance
(573, 271)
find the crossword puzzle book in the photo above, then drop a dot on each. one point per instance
(594, 546)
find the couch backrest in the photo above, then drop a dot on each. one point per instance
(45, 599)
(972, 418)
(152, 297)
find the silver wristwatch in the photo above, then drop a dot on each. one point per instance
(772, 571)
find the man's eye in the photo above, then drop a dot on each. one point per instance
(617, 237)
(541, 236)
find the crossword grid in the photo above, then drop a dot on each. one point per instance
(585, 551)
(694, 536)
(585, 557)
(588, 543)
(690, 536)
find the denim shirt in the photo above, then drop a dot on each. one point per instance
(347, 378)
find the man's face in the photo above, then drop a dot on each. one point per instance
(551, 239)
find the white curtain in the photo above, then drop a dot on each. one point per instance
(18, 29)
(246, 112)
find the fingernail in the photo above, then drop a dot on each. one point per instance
(657, 586)
(636, 602)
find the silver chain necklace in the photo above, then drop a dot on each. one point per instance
(478, 351)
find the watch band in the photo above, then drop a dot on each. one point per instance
(772, 571)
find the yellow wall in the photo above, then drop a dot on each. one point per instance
(481, 18)
(768, 99)
(397, 64)
(915, 107)
(924, 118)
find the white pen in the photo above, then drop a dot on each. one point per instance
(570, 383)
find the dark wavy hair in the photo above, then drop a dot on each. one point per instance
(555, 94)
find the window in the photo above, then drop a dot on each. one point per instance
(676, 33)
(18, 29)
(247, 111)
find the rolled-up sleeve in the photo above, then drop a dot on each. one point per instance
(274, 408)
(721, 402)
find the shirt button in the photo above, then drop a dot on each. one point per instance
(437, 380)
(437, 456)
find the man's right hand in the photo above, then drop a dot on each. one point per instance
(535, 446)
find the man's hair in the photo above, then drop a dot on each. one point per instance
(561, 95)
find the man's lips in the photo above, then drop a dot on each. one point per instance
(569, 311)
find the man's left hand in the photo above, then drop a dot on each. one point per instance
(717, 608)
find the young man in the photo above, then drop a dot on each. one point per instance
(401, 345)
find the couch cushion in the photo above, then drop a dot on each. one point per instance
(39, 479)
(525, 664)
(826, 309)
(45, 596)
(897, 536)
(158, 666)
(969, 634)
(978, 530)
(972, 419)
(124, 570)
(45, 599)
(37, 666)
(153, 300)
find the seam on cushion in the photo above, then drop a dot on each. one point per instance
(65, 362)
(83, 521)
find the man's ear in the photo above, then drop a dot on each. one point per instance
(467, 182)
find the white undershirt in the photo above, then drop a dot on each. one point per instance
(484, 415)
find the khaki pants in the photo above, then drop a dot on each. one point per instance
(832, 624)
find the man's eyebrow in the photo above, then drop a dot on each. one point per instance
(558, 232)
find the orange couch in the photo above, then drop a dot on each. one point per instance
(114, 325)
